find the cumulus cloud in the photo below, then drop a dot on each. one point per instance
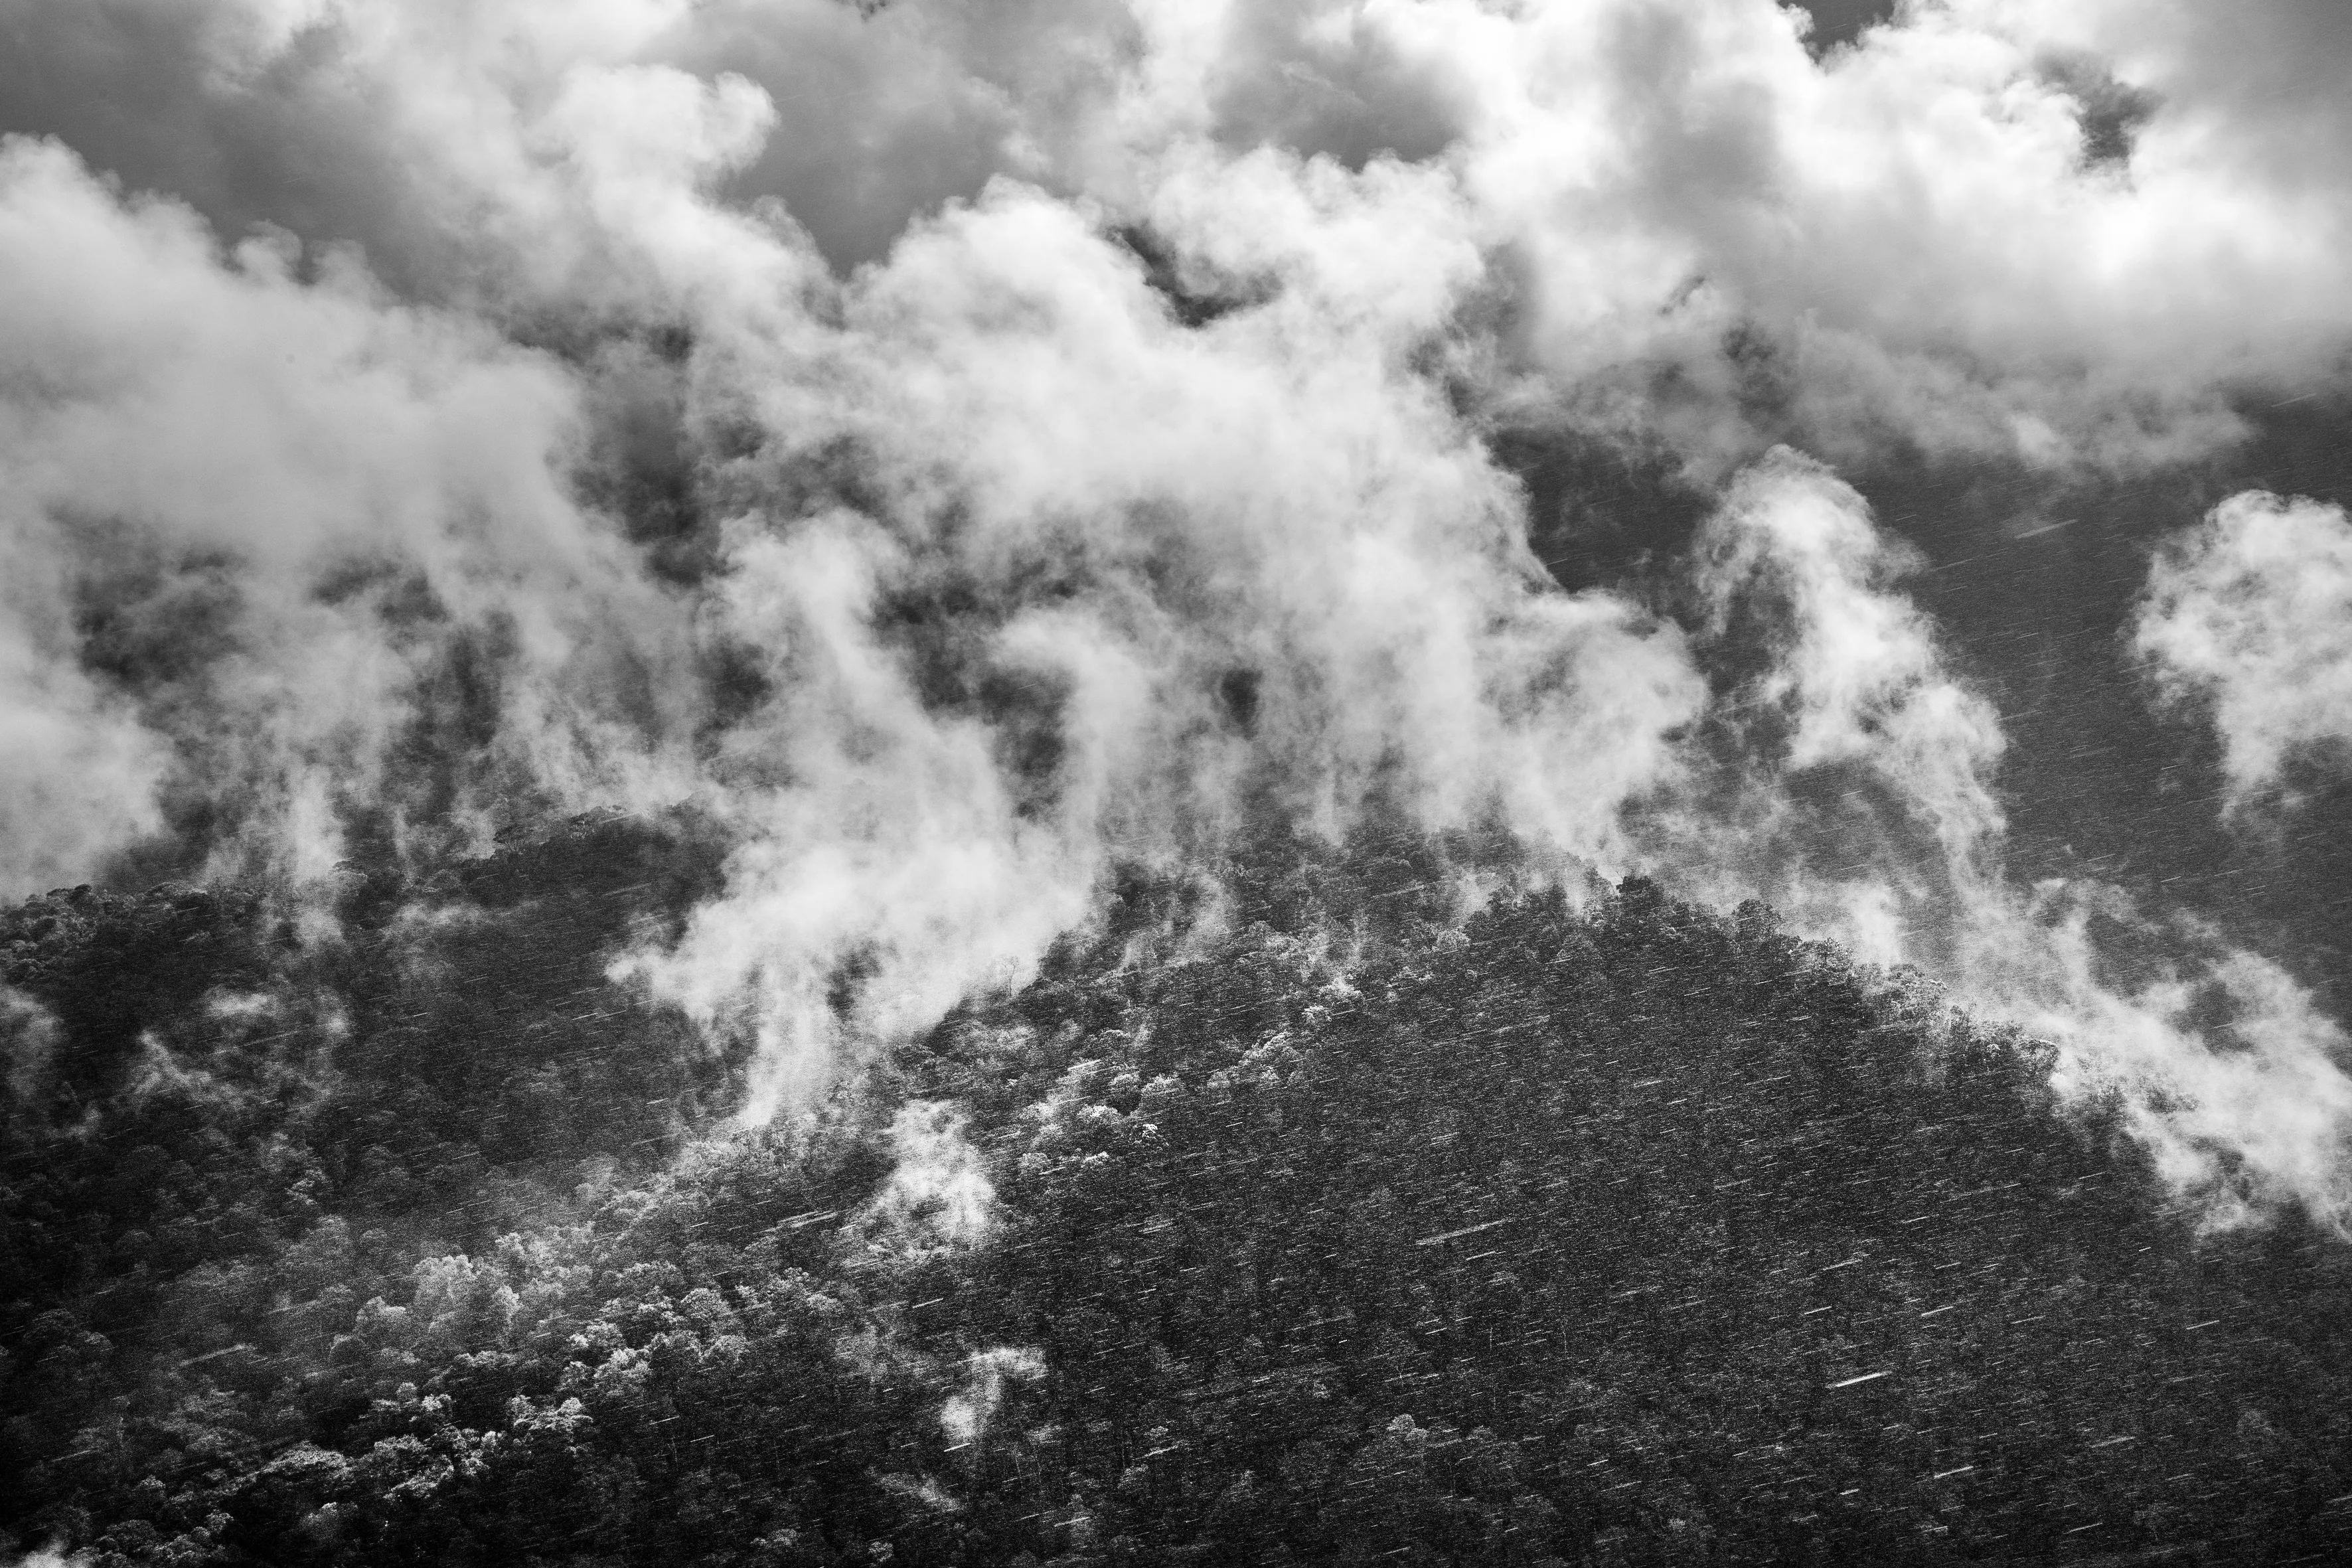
(1913, 240)
(2069, 233)
(2250, 615)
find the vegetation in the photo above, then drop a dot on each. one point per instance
(1325, 1227)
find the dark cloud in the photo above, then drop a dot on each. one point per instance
(1290, 78)
(193, 102)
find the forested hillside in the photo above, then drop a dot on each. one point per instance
(1295, 1220)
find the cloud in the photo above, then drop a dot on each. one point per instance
(1845, 773)
(1858, 670)
(966, 1414)
(2226, 1067)
(1082, 528)
(77, 774)
(939, 1197)
(883, 871)
(2249, 615)
(886, 113)
(1848, 776)
(2067, 233)
(964, 448)
(28, 1039)
(1905, 242)
(2261, 90)
(418, 131)
(253, 521)
(52, 1556)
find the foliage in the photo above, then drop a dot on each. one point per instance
(1326, 1226)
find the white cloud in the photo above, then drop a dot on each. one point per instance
(966, 1416)
(1858, 668)
(2250, 615)
(938, 1196)
(1902, 243)
(1020, 572)
(2246, 1115)
(52, 1556)
(28, 1041)
(1137, 512)
(1714, 236)
(247, 515)
(77, 774)
(1847, 774)
(1856, 794)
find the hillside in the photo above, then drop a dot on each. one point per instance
(1305, 1222)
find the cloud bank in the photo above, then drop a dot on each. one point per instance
(960, 453)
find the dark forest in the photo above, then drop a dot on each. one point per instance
(1308, 1224)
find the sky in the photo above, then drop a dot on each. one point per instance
(1887, 460)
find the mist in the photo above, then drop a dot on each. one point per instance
(962, 455)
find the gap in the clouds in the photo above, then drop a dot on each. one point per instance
(1601, 514)
(646, 464)
(2110, 112)
(1841, 22)
(1194, 301)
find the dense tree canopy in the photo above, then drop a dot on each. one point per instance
(1311, 1221)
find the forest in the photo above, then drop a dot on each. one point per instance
(1307, 1213)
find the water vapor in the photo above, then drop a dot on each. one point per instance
(2250, 616)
